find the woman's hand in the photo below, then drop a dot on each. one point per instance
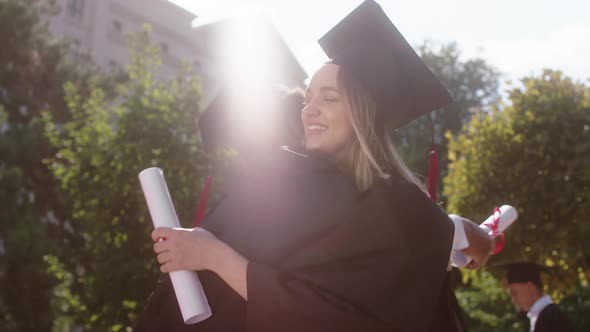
(480, 244)
(185, 248)
(197, 249)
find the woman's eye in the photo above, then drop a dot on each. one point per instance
(330, 99)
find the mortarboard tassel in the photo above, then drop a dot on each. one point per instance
(203, 199)
(432, 183)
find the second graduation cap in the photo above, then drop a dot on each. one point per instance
(522, 272)
(227, 122)
(371, 49)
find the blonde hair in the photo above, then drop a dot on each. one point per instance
(370, 159)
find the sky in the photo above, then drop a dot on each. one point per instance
(518, 37)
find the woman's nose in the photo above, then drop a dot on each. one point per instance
(310, 110)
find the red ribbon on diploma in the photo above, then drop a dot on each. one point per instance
(203, 199)
(497, 236)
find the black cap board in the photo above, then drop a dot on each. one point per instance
(371, 49)
(522, 272)
(224, 122)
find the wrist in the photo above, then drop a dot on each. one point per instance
(217, 255)
(230, 266)
(481, 242)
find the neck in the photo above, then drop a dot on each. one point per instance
(343, 159)
(534, 298)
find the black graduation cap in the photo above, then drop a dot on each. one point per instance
(367, 45)
(519, 272)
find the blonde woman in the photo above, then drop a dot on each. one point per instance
(345, 238)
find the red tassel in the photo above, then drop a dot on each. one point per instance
(433, 175)
(203, 199)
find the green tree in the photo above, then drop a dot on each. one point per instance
(33, 68)
(474, 85)
(532, 155)
(101, 150)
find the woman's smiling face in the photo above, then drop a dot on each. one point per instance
(328, 128)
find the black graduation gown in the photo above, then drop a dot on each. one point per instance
(323, 257)
(552, 319)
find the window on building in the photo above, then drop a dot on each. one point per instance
(164, 47)
(75, 9)
(118, 25)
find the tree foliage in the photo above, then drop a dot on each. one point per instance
(101, 150)
(474, 85)
(33, 68)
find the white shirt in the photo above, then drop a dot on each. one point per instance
(459, 242)
(536, 309)
(459, 237)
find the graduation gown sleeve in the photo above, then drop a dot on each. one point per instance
(382, 269)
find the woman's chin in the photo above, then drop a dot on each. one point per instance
(313, 146)
(319, 151)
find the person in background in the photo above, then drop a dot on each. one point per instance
(526, 292)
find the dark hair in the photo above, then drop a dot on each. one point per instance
(291, 105)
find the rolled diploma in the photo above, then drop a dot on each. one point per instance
(508, 215)
(189, 291)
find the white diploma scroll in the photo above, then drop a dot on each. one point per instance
(189, 291)
(507, 216)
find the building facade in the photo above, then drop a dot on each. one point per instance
(100, 27)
